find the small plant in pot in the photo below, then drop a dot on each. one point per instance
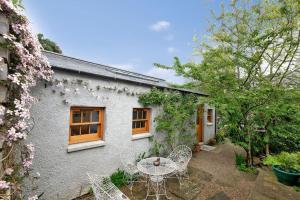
(286, 167)
(197, 148)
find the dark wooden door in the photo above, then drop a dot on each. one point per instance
(200, 124)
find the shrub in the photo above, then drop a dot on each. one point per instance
(119, 178)
(286, 161)
(220, 136)
(241, 164)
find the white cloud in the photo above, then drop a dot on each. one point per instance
(160, 26)
(169, 37)
(171, 50)
(168, 75)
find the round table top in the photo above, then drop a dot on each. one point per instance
(166, 166)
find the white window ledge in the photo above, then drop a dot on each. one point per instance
(141, 136)
(209, 124)
(85, 145)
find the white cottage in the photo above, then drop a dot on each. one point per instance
(91, 114)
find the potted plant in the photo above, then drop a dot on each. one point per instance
(286, 167)
(197, 148)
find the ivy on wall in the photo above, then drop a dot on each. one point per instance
(177, 120)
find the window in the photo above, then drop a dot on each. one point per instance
(140, 120)
(86, 124)
(209, 115)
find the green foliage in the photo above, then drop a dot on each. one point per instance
(156, 148)
(250, 68)
(119, 178)
(18, 4)
(286, 161)
(241, 164)
(141, 156)
(297, 188)
(220, 136)
(48, 44)
(177, 121)
(155, 97)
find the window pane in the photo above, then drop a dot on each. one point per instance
(138, 124)
(134, 114)
(86, 116)
(76, 117)
(85, 129)
(143, 124)
(95, 116)
(144, 114)
(75, 130)
(140, 114)
(94, 128)
(209, 115)
(133, 124)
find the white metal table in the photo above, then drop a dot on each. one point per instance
(156, 174)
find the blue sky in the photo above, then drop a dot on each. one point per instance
(129, 34)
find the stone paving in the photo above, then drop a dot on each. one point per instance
(213, 176)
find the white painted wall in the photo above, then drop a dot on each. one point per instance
(208, 128)
(63, 174)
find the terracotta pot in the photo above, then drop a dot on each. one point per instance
(197, 148)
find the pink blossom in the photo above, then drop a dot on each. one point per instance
(9, 171)
(4, 185)
(15, 78)
(2, 110)
(27, 161)
(28, 68)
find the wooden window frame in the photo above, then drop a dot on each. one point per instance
(147, 121)
(86, 137)
(210, 116)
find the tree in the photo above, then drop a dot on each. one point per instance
(250, 67)
(48, 44)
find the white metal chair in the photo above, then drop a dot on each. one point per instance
(104, 189)
(181, 155)
(128, 159)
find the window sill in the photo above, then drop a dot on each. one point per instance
(141, 136)
(85, 145)
(209, 124)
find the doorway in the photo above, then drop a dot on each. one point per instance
(199, 126)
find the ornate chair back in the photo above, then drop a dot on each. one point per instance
(104, 189)
(128, 159)
(181, 155)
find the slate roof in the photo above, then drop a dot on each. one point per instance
(67, 63)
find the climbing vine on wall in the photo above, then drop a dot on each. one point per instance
(26, 67)
(69, 88)
(177, 120)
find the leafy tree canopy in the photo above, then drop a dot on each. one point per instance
(250, 67)
(49, 45)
